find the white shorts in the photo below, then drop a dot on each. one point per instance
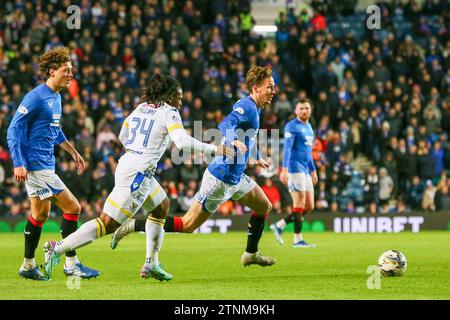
(300, 182)
(44, 184)
(132, 191)
(213, 192)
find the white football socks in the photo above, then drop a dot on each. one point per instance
(281, 224)
(87, 233)
(71, 261)
(154, 230)
(28, 264)
(298, 237)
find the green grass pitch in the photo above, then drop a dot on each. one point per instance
(208, 267)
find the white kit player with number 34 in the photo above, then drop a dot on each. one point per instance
(145, 134)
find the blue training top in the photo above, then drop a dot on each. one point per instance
(35, 128)
(241, 124)
(298, 143)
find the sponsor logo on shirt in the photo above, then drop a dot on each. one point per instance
(137, 197)
(56, 120)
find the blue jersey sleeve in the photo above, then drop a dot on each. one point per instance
(61, 136)
(18, 129)
(289, 139)
(231, 122)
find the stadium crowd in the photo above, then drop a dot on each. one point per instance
(380, 95)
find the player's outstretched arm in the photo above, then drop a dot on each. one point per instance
(184, 141)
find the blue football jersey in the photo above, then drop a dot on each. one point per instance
(241, 124)
(35, 128)
(298, 144)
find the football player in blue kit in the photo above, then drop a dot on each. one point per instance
(298, 172)
(32, 134)
(225, 178)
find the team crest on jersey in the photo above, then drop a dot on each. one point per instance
(239, 110)
(22, 109)
(287, 134)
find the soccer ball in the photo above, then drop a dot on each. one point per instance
(392, 263)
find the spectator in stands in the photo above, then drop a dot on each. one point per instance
(428, 196)
(415, 193)
(372, 186)
(386, 186)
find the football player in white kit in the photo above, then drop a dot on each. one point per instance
(145, 133)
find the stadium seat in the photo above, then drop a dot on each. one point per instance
(5, 227)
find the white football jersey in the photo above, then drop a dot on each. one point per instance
(145, 135)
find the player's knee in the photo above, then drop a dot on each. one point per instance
(42, 217)
(165, 205)
(110, 224)
(74, 208)
(77, 207)
(188, 226)
(162, 210)
(309, 207)
(267, 208)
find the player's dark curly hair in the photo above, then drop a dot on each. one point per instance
(160, 89)
(53, 59)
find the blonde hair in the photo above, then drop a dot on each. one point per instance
(53, 59)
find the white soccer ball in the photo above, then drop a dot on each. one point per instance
(392, 263)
